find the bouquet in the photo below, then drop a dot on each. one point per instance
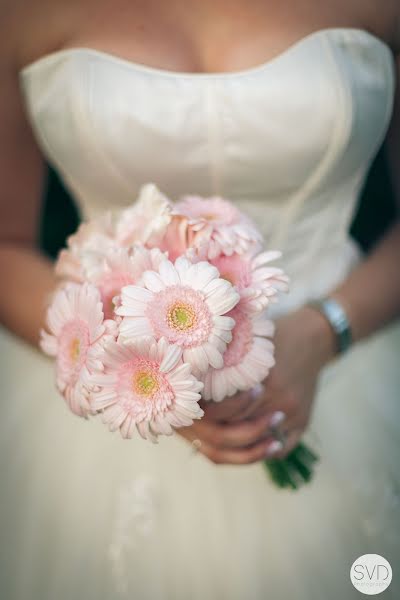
(160, 305)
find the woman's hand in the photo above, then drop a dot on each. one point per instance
(237, 443)
(237, 430)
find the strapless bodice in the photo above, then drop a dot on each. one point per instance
(289, 141)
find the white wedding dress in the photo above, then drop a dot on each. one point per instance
(86, 515)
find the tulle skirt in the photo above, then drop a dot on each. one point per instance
(86, 515)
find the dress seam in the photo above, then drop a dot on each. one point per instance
(340, 135)
(106, 161)
(214, 138)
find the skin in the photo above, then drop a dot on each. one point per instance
(193, 36)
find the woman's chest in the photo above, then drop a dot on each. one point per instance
(195, 36)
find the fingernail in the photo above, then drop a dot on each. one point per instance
(277, 418)
(274, 447)
(257, 390)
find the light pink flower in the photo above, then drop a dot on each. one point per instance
(182, 235)
(120, 267)
(257, 282)
(186, 304)
(228, 229)
(77, 334)
(146, 386)
(90, 242)
(146, 220)
(247, 359)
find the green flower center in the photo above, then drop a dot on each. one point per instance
(181, 316)
(145, 383)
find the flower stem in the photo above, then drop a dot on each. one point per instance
(294, 470)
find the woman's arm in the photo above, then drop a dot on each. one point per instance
(304, 344)
(371, 295)
(26, 276)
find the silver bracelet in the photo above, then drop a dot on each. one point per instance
(337, 319)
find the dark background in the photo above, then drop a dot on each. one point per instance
(375, 212)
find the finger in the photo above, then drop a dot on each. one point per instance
(265, 406)
(233, 435)
(258, 404)
(289, 422)
(275, 449)
(244, 405)
(235, 456)
(189, 433)
(228, 408)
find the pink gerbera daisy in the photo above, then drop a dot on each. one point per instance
(146, 386)
(91, 241)
(228, 229)
(182, 235)
(247, 359)
(118, 268)
(146, 220)
(77, 334)
(185, 303)
(257, 282)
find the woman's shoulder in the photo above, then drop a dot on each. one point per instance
(31, 29)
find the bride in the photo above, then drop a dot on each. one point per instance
(280, 107)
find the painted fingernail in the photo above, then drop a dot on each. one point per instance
(277, 418)
(257, 390)
(274, 447)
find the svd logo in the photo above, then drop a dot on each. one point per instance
(371, 574)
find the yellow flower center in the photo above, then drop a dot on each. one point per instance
(209, 217)
(145, 384)
(75, 349)
(181, 316)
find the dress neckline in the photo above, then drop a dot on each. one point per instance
(48, 59)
